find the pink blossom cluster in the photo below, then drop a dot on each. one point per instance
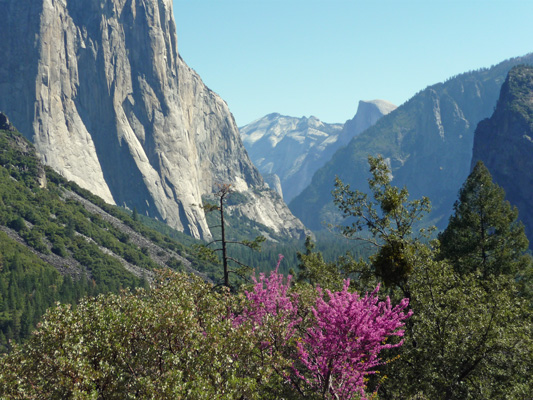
(343, 346)
(340, 346)
(270, 297)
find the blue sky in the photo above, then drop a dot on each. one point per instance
(310, 57)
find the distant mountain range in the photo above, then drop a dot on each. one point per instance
(504, 142)
(427, 142)
(289, 150)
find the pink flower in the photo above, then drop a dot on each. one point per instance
(344, 345)
(270, 298)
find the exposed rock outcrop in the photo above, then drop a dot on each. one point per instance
(99, 87)
(289, 147)
(368, 113)
(294, 148)
(428, 141)
(504, 142)
(5, 125)
(274, 182)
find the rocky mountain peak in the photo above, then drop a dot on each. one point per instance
(428, 141)
(383, 106)
(293, 148)
(504, 142)
(368, 113)
(99, 87)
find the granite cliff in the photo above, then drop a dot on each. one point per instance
(504, 142)
(291, 149)
(427, 141)
(100, 89)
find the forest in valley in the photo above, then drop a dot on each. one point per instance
(152, 249)
(410, 314)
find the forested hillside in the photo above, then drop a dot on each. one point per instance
(444, 319)
(59, 242)
(427, 142)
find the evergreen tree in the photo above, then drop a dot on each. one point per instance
(484, 231)
(469, 337)
(313, 269)
(386, 221)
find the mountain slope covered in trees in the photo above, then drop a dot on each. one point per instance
(427, 142)
(504, 142)
(58, 242)
(444, 328)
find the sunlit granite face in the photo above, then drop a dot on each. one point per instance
(114, 108)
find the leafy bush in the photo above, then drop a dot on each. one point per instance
(185, 340)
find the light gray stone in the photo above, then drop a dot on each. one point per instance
(295, 148)
(99, 87)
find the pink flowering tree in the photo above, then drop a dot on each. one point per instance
(337, 348)
(269, 303)
(342, 347)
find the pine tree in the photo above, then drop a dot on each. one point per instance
(313, 269)
(484, 231)
(388, 217)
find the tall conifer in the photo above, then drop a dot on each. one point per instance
(484, 232)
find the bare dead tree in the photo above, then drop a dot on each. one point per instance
(221, 244)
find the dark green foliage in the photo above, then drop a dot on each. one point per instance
(392, 262)
(327, 244)
(388, 218)
(484, 231)
(314, 270)
(51, 225)
(17, 156)
(18, 224)
(175, 264)
(470, 336)
(28, 287)
(520, 82)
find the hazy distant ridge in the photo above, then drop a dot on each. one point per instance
(427, 141)
(292, 149)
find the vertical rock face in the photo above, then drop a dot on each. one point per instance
(428, 141)
(504, 142)
(294, 148)
(99, 87)
(274, 182)
(368, 113)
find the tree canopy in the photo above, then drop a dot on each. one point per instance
(484, 232)
(470, 336)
